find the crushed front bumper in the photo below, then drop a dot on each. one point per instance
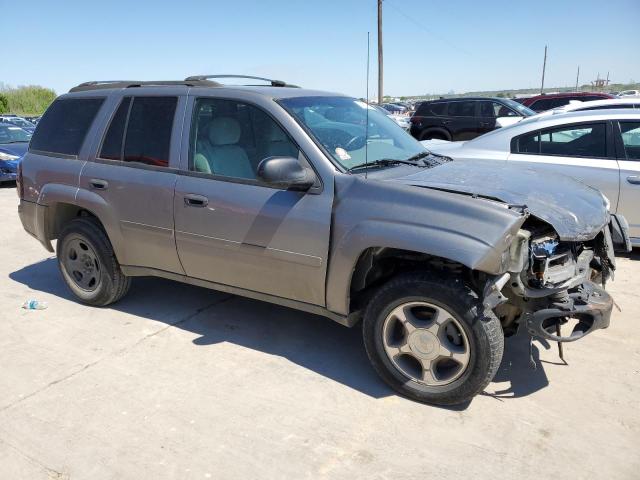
(589, 304)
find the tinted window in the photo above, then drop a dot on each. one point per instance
(495, 109)
(65, 125)
(462, 109)
(587, 140)
(230, 138)
(148, 135)
(112, 145)
(631, 139)
(438, 109)
(549, 103)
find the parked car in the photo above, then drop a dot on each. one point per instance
(608, 104)
(18, 122)
(464, 118)
(540, 103)
(629, 93)
(600, 148)
(13, 145)
(393, 108)
(401, 120)
(289, 196)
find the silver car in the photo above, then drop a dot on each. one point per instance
(319, 202)
(600, 148)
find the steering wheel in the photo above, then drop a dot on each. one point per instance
(356, 142)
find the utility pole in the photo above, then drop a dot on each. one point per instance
(380, 67)
(544, 66)
(577, 77)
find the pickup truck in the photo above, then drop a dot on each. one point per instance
(318, 202)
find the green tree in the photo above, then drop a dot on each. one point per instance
(29, 100)
(4, 104)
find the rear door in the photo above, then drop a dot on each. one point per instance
(463, 122)
(132, 173)
(231, 228)
(628, 148)
(584, 151)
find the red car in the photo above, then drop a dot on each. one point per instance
(540, 103)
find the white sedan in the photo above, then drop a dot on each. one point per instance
(598, 147)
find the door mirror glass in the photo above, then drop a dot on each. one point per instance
(286, 172)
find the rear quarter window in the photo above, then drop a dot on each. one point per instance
(437, 109)
(64, 126)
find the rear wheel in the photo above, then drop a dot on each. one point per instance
(430, 339)
(88, 264)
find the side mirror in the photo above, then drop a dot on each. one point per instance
(286, 172)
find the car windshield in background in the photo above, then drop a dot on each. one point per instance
(339, 125)
(21, 122)
(13, 134)
(519, 107)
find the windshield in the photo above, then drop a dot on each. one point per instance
(339, 125)
(519, 107)
(13, 134)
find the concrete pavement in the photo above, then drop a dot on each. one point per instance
(180, 382)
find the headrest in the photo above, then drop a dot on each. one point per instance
(224, 131)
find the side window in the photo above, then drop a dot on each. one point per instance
(230, 138)
(631, 139)
(588, 140)
(64, 126)
(462, 109)
(437, 109)
(112, 144)
(148, 136)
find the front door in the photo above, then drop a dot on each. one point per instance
(233, 229)
(629, 160)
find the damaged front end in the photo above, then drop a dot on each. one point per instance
(551, 283)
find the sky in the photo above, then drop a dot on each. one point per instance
(429, 46)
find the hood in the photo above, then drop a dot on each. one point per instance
(441, 147)
(576, 211)
(18, 149)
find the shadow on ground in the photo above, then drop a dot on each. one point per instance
(313, 342)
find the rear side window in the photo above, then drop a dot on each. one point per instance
(462, 109)
(143, 126)
(549, 103)
(437, 109)
(64, 126)
(586, 140)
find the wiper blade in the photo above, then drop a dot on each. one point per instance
(383, 162)
(418, 156)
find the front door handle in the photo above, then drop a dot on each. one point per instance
(446, 122)
(193, 200)
(99, 184)
(635, 179)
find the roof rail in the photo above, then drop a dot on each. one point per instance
(104, 84)
(274, 83)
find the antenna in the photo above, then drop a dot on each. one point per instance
(366, 127)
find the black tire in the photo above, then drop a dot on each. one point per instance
(111, 284)
(434, 135)
(482, 328)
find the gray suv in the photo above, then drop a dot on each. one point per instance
(318, 202)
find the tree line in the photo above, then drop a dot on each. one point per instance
(30, 100)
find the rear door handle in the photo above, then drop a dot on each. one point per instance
(635, 179)
(446, 122)
(99, 184)
(193, 200)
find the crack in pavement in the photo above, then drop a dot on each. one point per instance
(51, 472)
(115, 354)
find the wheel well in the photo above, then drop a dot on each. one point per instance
(438, 131)
(62, 213)
(376, 265)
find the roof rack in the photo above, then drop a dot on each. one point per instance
(103, 84)
(274, 83)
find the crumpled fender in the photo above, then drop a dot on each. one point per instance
(376, 213)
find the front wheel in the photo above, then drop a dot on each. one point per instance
(430, 338)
